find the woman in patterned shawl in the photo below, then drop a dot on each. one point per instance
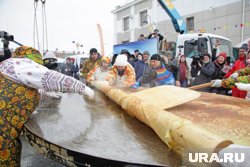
(21, 77)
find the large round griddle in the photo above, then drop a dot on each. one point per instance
(78, 132)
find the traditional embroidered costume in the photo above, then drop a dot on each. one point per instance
(20, 79)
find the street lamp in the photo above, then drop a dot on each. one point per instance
(78, 45)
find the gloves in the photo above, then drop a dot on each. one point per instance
(242, 86)
(53, 94)
(89, 92)
(136, 85)
(234, 148)
(216, 83)
(234, 75)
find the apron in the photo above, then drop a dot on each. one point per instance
(17, 102)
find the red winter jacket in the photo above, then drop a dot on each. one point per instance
(239, 64)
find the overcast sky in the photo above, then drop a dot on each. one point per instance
(67, 21)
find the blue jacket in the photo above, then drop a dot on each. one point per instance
(139, 67)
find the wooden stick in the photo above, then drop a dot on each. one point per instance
(101, 39)
(201, 86)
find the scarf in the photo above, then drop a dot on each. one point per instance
(183, 71)
(28, 52)
(164, 77)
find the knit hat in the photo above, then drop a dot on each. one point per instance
(28, 52)
(223, 54)
(125, 51)
(146, 53)
(49, 55)
(155, 57)
(93, 50)
(121, 60)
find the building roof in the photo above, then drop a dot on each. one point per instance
(124, 6)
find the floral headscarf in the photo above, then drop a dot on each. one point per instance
(28, 52)
(105, 59)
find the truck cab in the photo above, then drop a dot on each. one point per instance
(197, 44)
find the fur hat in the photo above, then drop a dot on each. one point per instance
(121, 60)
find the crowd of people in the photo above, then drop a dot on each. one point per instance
(143, 69)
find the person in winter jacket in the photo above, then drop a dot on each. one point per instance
(93, 60)
(239, 64)
(206, 72)
(182, 73)
(219, 72)
(21, 77)
(140, 66)
(156, 74)
(121, 74)
(69, 68)
(50, 61)
(100, 72)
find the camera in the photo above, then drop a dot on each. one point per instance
(197, 58)
(6, 36)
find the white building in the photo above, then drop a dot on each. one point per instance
(229, 18)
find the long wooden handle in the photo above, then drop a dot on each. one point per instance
(201, 86)
(101, 39)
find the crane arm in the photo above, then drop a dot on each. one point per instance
(178, 22)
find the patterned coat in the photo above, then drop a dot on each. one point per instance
(20, 78)
(126, 80)
(89, 65)
(96, 74)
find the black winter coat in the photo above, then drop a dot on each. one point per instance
(206, 73)
(218, 72)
